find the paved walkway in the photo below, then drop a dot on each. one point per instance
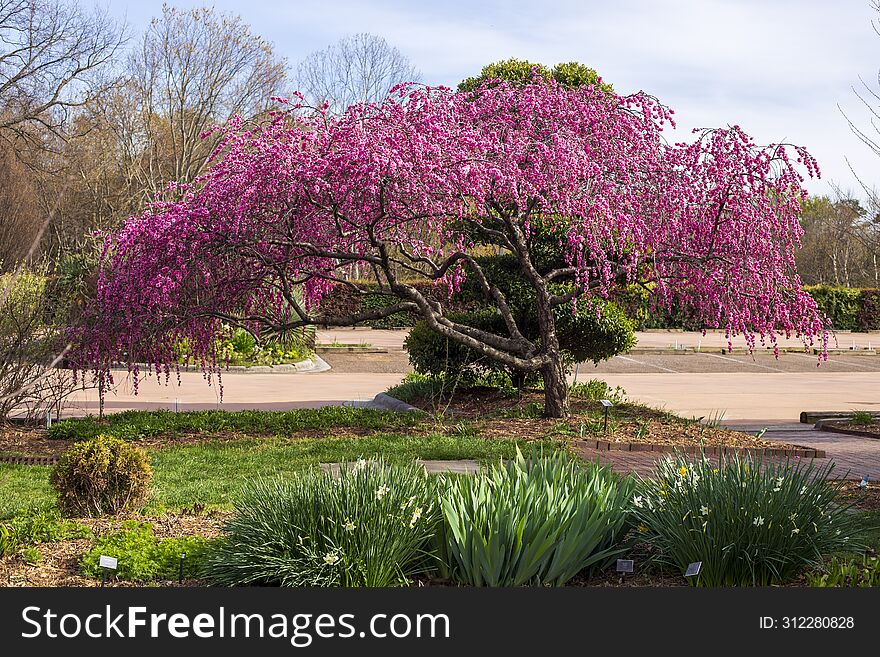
(853, 456)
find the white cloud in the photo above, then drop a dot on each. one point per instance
(779, 68)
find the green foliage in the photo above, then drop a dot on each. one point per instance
(132, 425)
(522, 72)
(442, 359)
(367, 526)
(103, 475)
(840, 304)
(592, 330)
(42, 524)
(862, 418)
(143, 557)
(240, 348)
(32, 555)
(847, 571)
(751, 523)
(540, 520)
(416, 386)
(596, 389)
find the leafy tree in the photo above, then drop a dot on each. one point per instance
(521, 72)
(420, 182)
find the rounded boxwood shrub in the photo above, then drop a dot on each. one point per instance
(103, 475)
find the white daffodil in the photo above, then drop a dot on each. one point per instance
(704, 510)
(757, 522)
(331, 558)
(417, 513)
(382, 491)
(349, 526)
(637, 500)
(795, 531)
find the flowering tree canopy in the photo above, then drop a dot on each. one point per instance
(410, 189)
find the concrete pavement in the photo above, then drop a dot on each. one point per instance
(742, 389)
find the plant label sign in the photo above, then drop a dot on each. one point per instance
(693, 569)
(605, 403)
(624, 565)
(108, 562)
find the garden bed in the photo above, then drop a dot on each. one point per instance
(59, 563)
(493, 413)
(851, 428)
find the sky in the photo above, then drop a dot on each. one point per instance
(781, 69)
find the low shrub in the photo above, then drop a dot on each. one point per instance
(368, 525)
(30, 527)
(538, 520)
(749, 522)
(104, 475)
(848, 572)
(596, 389)
(143, 557)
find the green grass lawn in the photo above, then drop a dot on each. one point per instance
(23, 486)
(136, 424)
(211, 473)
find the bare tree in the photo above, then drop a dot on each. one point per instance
(19, 209)
(194, 69)
(52, 54)
(357, 69)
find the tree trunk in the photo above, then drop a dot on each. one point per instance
(555, 388)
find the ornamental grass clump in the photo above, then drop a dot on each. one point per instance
(539, 520)
(751, 523)
(369, 525)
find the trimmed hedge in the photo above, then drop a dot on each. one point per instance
(850, 309)
(343, 301)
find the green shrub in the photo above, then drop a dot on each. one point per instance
(143, 557)
(104, 475)
(441, 358)
(751, 523)
(368, 525)
(862, 418)
(848, 572)
(840, 304)
(596, 389)
(540, 520)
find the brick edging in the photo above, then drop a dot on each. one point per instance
(605, 446)
(22, 459)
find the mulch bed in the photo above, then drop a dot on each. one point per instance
(863, 499)
(59, 565)
(847, 427)
(494, 415)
